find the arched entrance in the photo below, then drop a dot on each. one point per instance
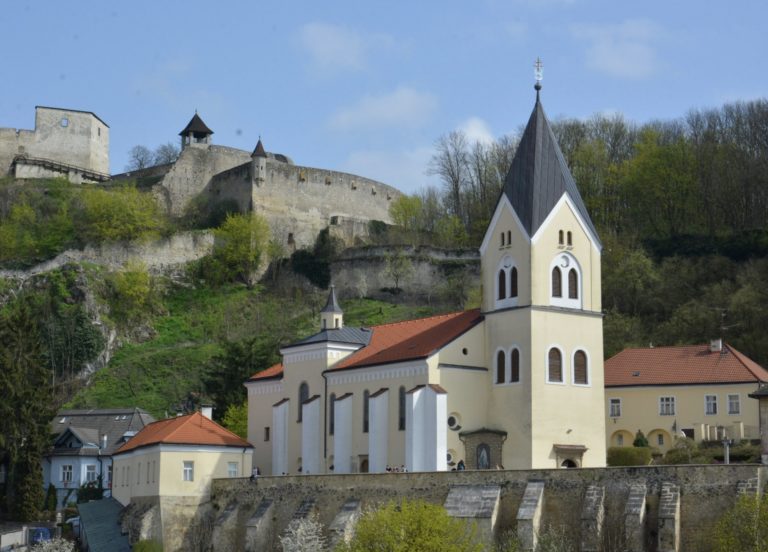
(568, 463)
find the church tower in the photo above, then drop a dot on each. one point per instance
(540, 261)
(259, 164)
(331, 317)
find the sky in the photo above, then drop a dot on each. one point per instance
(368, 86)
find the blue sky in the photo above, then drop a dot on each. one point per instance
(368, 86)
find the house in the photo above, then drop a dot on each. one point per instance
(516, 383)
(696, 391)
(83, 444)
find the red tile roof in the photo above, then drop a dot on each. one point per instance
(400, 341)
(690, 364)
(192, 429)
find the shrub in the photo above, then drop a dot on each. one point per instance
(148, 546)
(54, 545)
(629, 456)
(133, 295)
(412, 526)
(744, 527)
(303, 535)
(119, 214)
(640, 440)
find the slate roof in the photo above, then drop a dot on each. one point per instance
(89, 425)
(100, 522)
(259, 151)
(684, 365)
(539, 176)
(195, 126)
(332, 305)
(347, 334)
(192, 429)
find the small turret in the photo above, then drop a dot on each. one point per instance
(196, 132)
(259, 164)
(331, 317)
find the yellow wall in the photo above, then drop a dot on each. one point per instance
(640, 410)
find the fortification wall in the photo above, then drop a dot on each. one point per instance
(706, 492)
(12, 142)
(360, 272)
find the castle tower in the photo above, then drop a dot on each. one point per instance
(258, 164)
(331, 317)
(196, 132)
(540, 262)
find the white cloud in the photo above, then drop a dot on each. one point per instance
(624, 49)
(404, 107)
(333, 47)
(477, 130)
(405, 170)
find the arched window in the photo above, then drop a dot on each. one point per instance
(366, 396)
(509, 237)
(560, 237)
(501, 363)
(502, 239)
(513, 282)
(555, 366)
(332, 414)
(303, 396)
(502, 284)
(401, 409)
(557, 282)
(573, 284)
(570, 238)
(580, 368)
(515, 360)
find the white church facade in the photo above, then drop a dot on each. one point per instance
(516, 384)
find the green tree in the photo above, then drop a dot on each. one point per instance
(240, 242)
(405, 212)
(119, 214)
(640, 440)
(133, 293)
(744, 527)
(412, 526)
(398, 267)
(236, 419)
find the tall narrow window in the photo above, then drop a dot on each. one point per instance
(710, 405)
(188, 473)
(570, 238)
(502, 239)
(555, 366)
(401, 409)
(303, 396)
(513, 282)
(332, 414)
(615, 408)
(580, 368)
(509, 237)
(515, 360)
(500, 366)
(573, 284)
(366, 397)
(557, 282)
(733, 404)
(502, 284)
(560, 237)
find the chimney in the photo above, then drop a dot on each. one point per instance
(716, 346)
(104, 441)
(207, 411)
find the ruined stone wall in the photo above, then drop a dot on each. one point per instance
(362, 271)
(705, 493)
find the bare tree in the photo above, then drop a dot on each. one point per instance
(451, 164)
(139, 158)
(166, 153)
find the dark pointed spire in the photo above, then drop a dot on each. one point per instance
(259, 151)
(539, 176)
(332, 305)
(197, 127)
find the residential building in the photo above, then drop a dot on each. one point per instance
(516, 383)
(83, 444)
(696, 391)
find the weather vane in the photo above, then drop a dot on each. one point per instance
(538, 73)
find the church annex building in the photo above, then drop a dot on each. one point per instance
(516, 384)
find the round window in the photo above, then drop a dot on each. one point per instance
(454, 421)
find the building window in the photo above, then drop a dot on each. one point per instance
(502, 284)
(515, 361)
(189, 471)
(150, 467)
(513, 282)
(232, 469)
(66, 473)
(615, 408)
(303, 396)
(266, 433)
(502, 239)
(620, 440)
(734, 406)
(366, 401)
(666, 406)
(560, 237)
(509, 237)
(557, 282)
(580, 371)
(332, 414)
(570, 238)
(401, 410)
(573, 284)
(660, 439)
(710, 405)
(90, 473)
(501, 364)
(555, 366)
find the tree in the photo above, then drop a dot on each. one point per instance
(451, 164)
(398, 267)
(240, 242)
(166, 153)
(303, 535)
(412, 526)
(236, 419)
(118, 214)
(133, 294)
(405, 212)
(744, 527)
(139, 157)
(640, 440)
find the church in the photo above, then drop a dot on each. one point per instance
(515, 384)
